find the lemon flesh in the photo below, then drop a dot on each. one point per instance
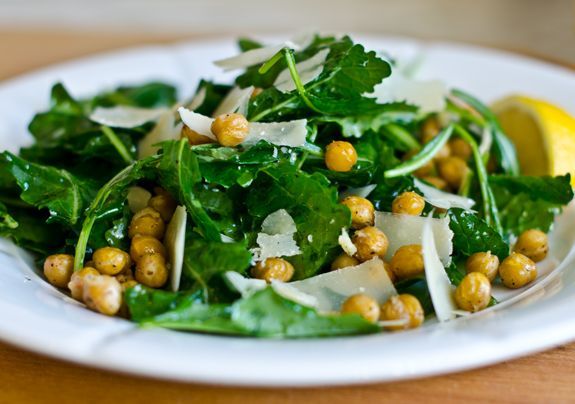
(543, 134)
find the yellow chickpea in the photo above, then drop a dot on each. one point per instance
(76, 284)
(103, 294)
(58, 269)
(145, 245)
(484, 263)
(151, 270)
(402, 307)
(370, 242)
(407, 261)
(230, 129)
(147, 225)
(147, 211)
(125, 276)
(473, 293)
(340, 156)
(430, 129)
(517, 270)
(273, 269)
(363, 305)
(362, 211)
(453, 170)
(256, 91)
(111, 260)
(460, 148)
(436, 182)
(194, 138)
(164, 204)
(442, 153)
(343, 261)
(389, 271)
(408, 203)
(533, 244)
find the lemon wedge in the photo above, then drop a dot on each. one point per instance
(543, 134)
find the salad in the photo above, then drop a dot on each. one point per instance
(324, 192)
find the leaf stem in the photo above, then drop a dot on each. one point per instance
(423, 157)
(402, 136)
(117, 143)
(290, 60)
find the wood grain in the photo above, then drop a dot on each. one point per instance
(26, 377)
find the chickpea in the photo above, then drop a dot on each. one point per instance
(256, 91)
(343, 261)
(145, 245)
(442, 153)
(129, 284)
(533, 244)
(370, 242)
(164, 204)
(362, 211)
(147, 225)
(76, 284)
(430, 129)
(389, 271)
(484, 263)
(517, 270)
(194, 138)
(340, 156)
(147, 212)
(126, 276)
(363, 305)
(111, 260)
(230, 129)
(58, 269)
(407, 261)
(473, 293)
(408, 203)
(273, 269)
(103, 294)
(453, 170)
(151, 270)
(436, 182)
(402, 307)
(460, 148)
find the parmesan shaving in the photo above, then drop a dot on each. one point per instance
(279, 222)
(125, 116)
(277, 237)
(290, 292)
(308, 71)
(486, 141)
(199, 123)
(198, 99)
(362, 192)
(440, 288)
(175, 242)
(236, 101)
(138, 198)
(346, 244)
(442, 199)
(406, 229)
(244, 286)
(165, 129)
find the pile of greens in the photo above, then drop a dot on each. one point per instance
(67, 191)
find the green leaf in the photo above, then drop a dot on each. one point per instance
(7, 222)
(313, 204)
(472, 234)
(148, 95)
(214, 95)
(64, 195)
(145, 302)
(556, 190)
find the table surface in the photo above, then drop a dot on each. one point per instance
(27, 377)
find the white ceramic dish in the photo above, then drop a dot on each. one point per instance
(37, 317)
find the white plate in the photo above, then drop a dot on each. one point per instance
(38, 317)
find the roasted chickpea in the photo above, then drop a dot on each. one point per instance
(273, 269)
(340, 156)
(402, 307)
(147, 225)
(430, 129)
(343, 261)
(145, 245)
(103, 294)
(436, 182)
(76, 284)
(517, 270)
(442, 153)
(164, 204)
(256, 91)
(460, 148)
(362, 211)
(407, 261)
(473, 293)
(408, 203)
(363, 305)
(151, 270)
(533, 244)
(230, 129)
(194, 138)
(111, 260)
(126, 276)
(389, 271)
(370, 242)
(129, 284)
(147, 211)
(453, 170)
(58, 269)
(484, 263)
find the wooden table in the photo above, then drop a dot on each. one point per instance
(26, 377)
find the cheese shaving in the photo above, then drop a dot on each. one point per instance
(236, 101)
(137, 198)
(125, 116)
(175, 242)
(346, 244)
(442, 199)
(165, 129)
